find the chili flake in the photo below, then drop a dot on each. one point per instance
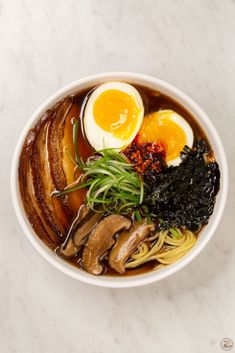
(146, 157)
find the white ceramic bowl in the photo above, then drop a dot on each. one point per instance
(206, 234)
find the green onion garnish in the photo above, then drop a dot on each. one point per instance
(78, 160)
(138, 216)
(113, 185)
(175, 233)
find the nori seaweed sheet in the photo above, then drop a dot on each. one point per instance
(184, 196)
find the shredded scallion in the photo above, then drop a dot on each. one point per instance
(78, 160)
(113, 185)
(175, 233)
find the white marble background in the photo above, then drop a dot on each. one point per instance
(46, 44)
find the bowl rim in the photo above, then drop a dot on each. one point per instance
(113, 281)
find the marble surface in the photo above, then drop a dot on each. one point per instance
(46, 44)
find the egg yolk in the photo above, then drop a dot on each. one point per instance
(116, 112)
(159, 128)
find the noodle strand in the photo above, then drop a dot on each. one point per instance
(166, 249)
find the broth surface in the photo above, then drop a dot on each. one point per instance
(66, 209)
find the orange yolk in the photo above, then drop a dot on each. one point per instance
(116, 112)
(158, 128)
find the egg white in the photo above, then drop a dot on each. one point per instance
(99, 138)
(184, 125)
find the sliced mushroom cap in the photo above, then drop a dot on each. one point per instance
(102, 239)
(127, 243)
(79, 230)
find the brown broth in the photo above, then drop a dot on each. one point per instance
(149, 266)
(153, 101)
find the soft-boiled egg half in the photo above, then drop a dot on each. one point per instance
(113, 115)
(169, 129)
